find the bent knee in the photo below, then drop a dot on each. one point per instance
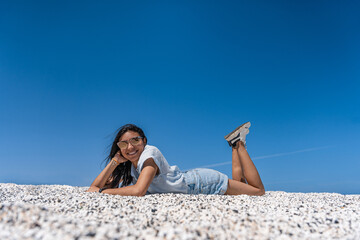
(261, 192)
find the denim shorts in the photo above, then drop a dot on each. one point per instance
(206, 181)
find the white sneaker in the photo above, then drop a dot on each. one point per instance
(239, 134)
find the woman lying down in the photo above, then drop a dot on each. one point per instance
(141, 169)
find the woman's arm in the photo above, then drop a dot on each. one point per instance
(100, 180)
(140, 188)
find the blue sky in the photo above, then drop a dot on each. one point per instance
(188, 73)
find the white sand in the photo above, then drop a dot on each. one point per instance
(66, 212)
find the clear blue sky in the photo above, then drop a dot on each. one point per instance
(188, 73)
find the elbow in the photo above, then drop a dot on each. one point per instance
(93, 189)
(93, 185)
(139, 193)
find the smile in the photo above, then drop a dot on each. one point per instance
(132, 153)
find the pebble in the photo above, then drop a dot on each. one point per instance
(67, 212)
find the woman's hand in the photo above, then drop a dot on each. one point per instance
(119, 158)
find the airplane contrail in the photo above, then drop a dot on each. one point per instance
(269, 156)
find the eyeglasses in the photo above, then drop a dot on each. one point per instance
(134, 141)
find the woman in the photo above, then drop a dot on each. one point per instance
(142, 169)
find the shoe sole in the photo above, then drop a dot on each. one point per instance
(236, 130)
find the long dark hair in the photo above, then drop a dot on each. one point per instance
(123, 171)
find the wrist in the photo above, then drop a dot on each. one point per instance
(114, 162)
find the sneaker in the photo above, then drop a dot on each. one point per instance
(239, 134)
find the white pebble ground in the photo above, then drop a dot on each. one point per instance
(66, 212)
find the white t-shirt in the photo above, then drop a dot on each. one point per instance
(169, 180)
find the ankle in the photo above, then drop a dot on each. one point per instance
(241, 146)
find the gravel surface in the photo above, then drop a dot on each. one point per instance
(67, 212)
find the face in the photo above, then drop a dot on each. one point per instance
(132, 152)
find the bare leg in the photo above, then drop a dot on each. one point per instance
(251, 174)
(237, 169)
(245, 168)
